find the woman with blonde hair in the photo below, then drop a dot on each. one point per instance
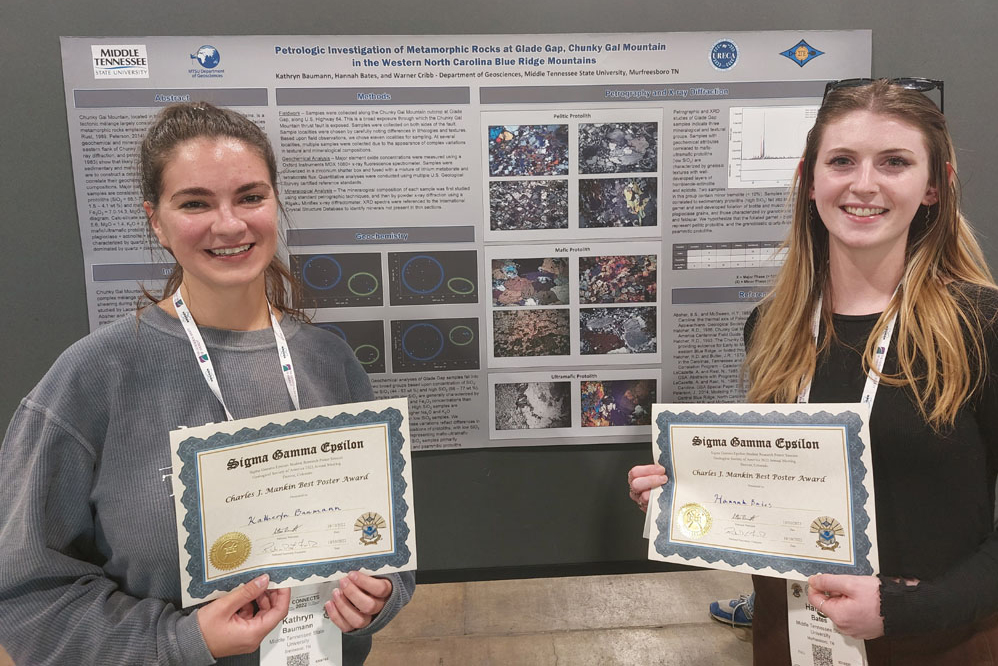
(878, 248)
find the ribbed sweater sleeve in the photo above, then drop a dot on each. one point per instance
(56, 606)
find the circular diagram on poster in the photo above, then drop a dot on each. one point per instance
(322, 272)
(422, 342)
(422, 274)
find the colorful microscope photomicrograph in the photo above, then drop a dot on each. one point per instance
(617, 403)
(533, 405)
(528, 150)
(618, 148)
(618, 279)
(618, 330)
(618, 202)
(531, 333)
(516, 205)
(537, 281)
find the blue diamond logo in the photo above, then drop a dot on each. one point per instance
(802, 53)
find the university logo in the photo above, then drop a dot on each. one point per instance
(120, 61)
(207, 58)
(724, 54)
(802, 53)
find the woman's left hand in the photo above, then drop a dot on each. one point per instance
(851, 602)
(357, 600)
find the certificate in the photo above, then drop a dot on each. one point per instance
(305, 496)
(780, 490)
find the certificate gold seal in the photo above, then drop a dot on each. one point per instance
(694, 520)
(229, 551)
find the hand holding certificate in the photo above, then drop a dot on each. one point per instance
(782, 490)
(305, 496)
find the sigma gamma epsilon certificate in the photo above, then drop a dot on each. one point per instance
(304, 496)
(781, 490)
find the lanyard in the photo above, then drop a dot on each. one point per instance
(204, 360)
(873, 377)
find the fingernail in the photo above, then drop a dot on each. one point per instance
(353, 575)
(336, 593)
(261, 581)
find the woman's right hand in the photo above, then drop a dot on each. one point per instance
(642, 479)
(231, 625)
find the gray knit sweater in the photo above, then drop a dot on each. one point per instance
(88, 541)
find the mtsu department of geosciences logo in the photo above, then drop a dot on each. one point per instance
(120, 61)
(724, 54)
(207, 57)
(802, 53)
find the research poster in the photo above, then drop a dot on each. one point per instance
(532, 237)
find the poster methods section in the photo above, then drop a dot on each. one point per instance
(532, 237)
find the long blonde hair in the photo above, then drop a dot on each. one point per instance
(940, 353)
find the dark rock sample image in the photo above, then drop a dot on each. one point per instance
(617, 403)
(618, 330)
(618, 202)
(618, 279)
(528, 204)
(533, 405)
(540, 281)
(528, 150)
(531, 333)
(618, 148)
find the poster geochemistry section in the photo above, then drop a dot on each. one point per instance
(532, 237)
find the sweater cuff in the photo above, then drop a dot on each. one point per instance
(392, 606)
(191, 642)
(909, 609)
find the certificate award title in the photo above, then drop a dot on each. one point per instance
(305, 496)
(781, 490)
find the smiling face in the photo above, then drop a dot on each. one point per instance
(870, 176)
(217, 214)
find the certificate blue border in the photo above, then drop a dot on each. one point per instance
(850, 421)
(190, 447)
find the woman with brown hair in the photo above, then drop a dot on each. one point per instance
(878, 247)
(88, 568)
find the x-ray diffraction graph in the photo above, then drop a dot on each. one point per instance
(423, 278)
(339, 280)
(528, 150)
(618, 148)
(425, 345)
(366, 339)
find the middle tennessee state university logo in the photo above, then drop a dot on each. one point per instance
(368, 526)
(827, 529)
(802, 53)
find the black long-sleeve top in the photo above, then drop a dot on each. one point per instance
(935, 491)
